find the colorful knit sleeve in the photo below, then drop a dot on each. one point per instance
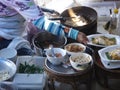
(55, 28)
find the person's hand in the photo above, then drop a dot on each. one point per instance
(82, 38)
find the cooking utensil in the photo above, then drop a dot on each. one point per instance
(43, 39)
(52, 51)
(50, 11)
(87, 13)
(61, 18)
(59, 58)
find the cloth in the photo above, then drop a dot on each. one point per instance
(12, 27)
(18, 43)
(21, 45)
(31, 13)
(4, 43)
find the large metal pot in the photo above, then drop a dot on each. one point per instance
(44, 39)
(88, 14)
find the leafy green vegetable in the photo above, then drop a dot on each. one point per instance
(31, 69)
(108, 56)
(113, 39)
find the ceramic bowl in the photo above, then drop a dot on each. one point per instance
(8, 53)
(60, 55)
(74, 48)
(80, 61)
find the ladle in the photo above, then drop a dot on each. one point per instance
(52, 50)
(61, 18)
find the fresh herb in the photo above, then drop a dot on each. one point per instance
(113, 39)
(31, 69)
(108, 56)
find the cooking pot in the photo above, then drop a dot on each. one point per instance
(89, 14)
(44, 39)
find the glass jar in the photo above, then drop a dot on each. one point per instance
(114, 22)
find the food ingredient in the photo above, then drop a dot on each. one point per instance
(81, 59)
(56, 54)
(74, 48)
(31, 69)
(114, 54)
(4, 75)
(103, 40)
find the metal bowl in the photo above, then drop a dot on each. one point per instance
(7, 69)
(43, 39)
(89, 14)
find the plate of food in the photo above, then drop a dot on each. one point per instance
(103, 40)
(110, 56)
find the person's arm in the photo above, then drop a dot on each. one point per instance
(55, 28)
(30, 12)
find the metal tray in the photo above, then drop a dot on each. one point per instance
(67, 68)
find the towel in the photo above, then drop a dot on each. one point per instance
(18, 43)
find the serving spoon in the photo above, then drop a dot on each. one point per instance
(52, 50)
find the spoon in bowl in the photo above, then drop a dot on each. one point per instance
(52, 50)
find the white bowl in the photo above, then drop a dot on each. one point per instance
(56, 60)
(8, 53)
(74, 48)
(80, 61)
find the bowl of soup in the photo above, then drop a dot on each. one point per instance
(59, 56)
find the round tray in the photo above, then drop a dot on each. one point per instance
(67, 69)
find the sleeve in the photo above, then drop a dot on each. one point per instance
(31, 12)
(55, 28)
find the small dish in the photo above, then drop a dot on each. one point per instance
(74, 48)
(103, 53)
(103, 40)
(107, 61)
